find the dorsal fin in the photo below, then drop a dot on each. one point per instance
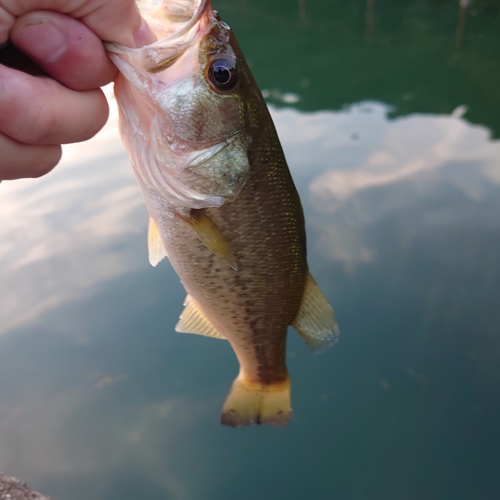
(156, 249)
(315, 321)
(192, 320)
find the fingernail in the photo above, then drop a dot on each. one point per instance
(40, 39)
(144, 35)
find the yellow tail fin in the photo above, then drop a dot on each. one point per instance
(250, 403)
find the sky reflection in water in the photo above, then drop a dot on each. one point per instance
(101, 399)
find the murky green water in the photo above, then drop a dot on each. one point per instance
(388, 113)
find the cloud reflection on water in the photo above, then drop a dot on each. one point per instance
(350, 159)
(60, 235)
(77, 436)
(64, 235)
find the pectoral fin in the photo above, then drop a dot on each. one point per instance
(156, 249)
(315, 321)
(211, 236)
(192, 320)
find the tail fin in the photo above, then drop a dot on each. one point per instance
(249, 404)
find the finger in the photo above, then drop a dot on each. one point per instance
(65, 48)
(22, 160)
(39, 110)
(112, 20)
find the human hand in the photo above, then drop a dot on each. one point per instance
(39, 113)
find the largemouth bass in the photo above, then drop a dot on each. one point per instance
(222, 203)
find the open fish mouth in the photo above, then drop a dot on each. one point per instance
(180, 151)
(171, 19)
(176, 23)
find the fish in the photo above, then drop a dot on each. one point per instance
(222, 203)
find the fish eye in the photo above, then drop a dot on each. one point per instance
(222, 74)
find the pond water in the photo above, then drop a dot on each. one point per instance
(388, 113)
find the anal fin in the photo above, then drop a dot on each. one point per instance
(156, 248)
(315, 321)
(192, 320)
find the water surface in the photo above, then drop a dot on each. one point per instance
(388, 114)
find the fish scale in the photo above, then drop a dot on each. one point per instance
(227, 215)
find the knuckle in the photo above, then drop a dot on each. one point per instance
(26, 114)
(41, 126)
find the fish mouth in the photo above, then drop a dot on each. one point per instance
(176, 17)
(176, 23)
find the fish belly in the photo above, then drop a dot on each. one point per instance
(252, 305)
